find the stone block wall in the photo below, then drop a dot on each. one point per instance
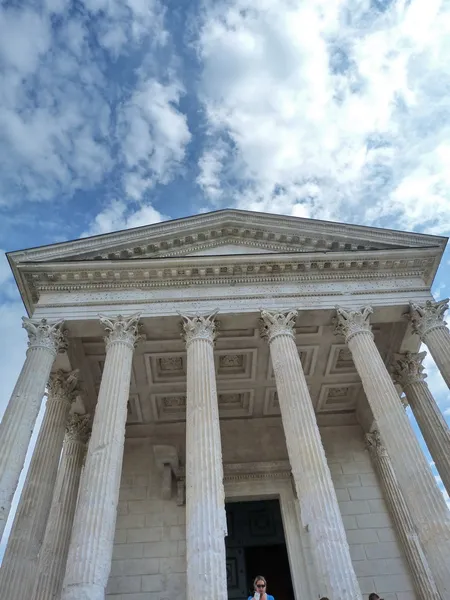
(149, 560)
(377, 557)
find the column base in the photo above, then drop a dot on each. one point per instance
(84, 591)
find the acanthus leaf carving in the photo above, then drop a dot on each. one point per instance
(198, 327)
(429, 316)
(273, 324)
(408, 368)
(121, 329)
(78, 428)
(349, 323)
(63, 386)
(45, 334)
(375, 443)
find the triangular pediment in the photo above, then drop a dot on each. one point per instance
(228, 232)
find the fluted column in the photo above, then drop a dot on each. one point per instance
(428, 322)
(315, 490)
(18, 571)
(53, 555)
(425, 501)
(205, 498)
(408, 372)
(44, 341)
(91, 544)
(423, 580)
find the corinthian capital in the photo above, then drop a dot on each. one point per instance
(121, 330)
(63, 386)
(427, 317)
(273, 324)
(200, 327)
(44, 334)
(374, 443)
(349, 323)
(78, 428)
(408, 368)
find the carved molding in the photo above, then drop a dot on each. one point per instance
(429, 316)
(277, 469)
(45, 334)
(218, 270)
(231, 223)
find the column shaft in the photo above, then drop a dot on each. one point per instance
(425, 501)
(19, 565)
(53, 555)
(424, 583)
(428, 322)
(315, 490)
(205, 498)
(20, 416)
(91, 545)
(408, 372)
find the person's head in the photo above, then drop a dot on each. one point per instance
(260, 584)
(374, 596)
(324, 598)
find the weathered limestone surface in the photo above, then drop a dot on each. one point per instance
(18, 571)
(428, 322)
(317, 497)
(44, 341)
(408, 372)
(425, 501)
(91, 545)
(205, 498)
(420, 571)
(53, 555)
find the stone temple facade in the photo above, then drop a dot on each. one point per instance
(226, 398)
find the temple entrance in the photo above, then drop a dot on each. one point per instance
(255, 545)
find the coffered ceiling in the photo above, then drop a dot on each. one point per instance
(244, 373)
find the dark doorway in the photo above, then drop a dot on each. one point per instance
(256, 546)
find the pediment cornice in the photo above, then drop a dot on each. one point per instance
(271, 232)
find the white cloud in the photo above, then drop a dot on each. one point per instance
(210, 167)
(332, 110)
(118, 216)
(59, 98)
(155, 134)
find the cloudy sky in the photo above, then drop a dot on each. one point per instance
(118, 113)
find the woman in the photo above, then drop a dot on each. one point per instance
(260, 585)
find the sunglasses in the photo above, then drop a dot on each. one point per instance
(260, 585)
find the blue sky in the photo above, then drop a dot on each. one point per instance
(119, 113)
